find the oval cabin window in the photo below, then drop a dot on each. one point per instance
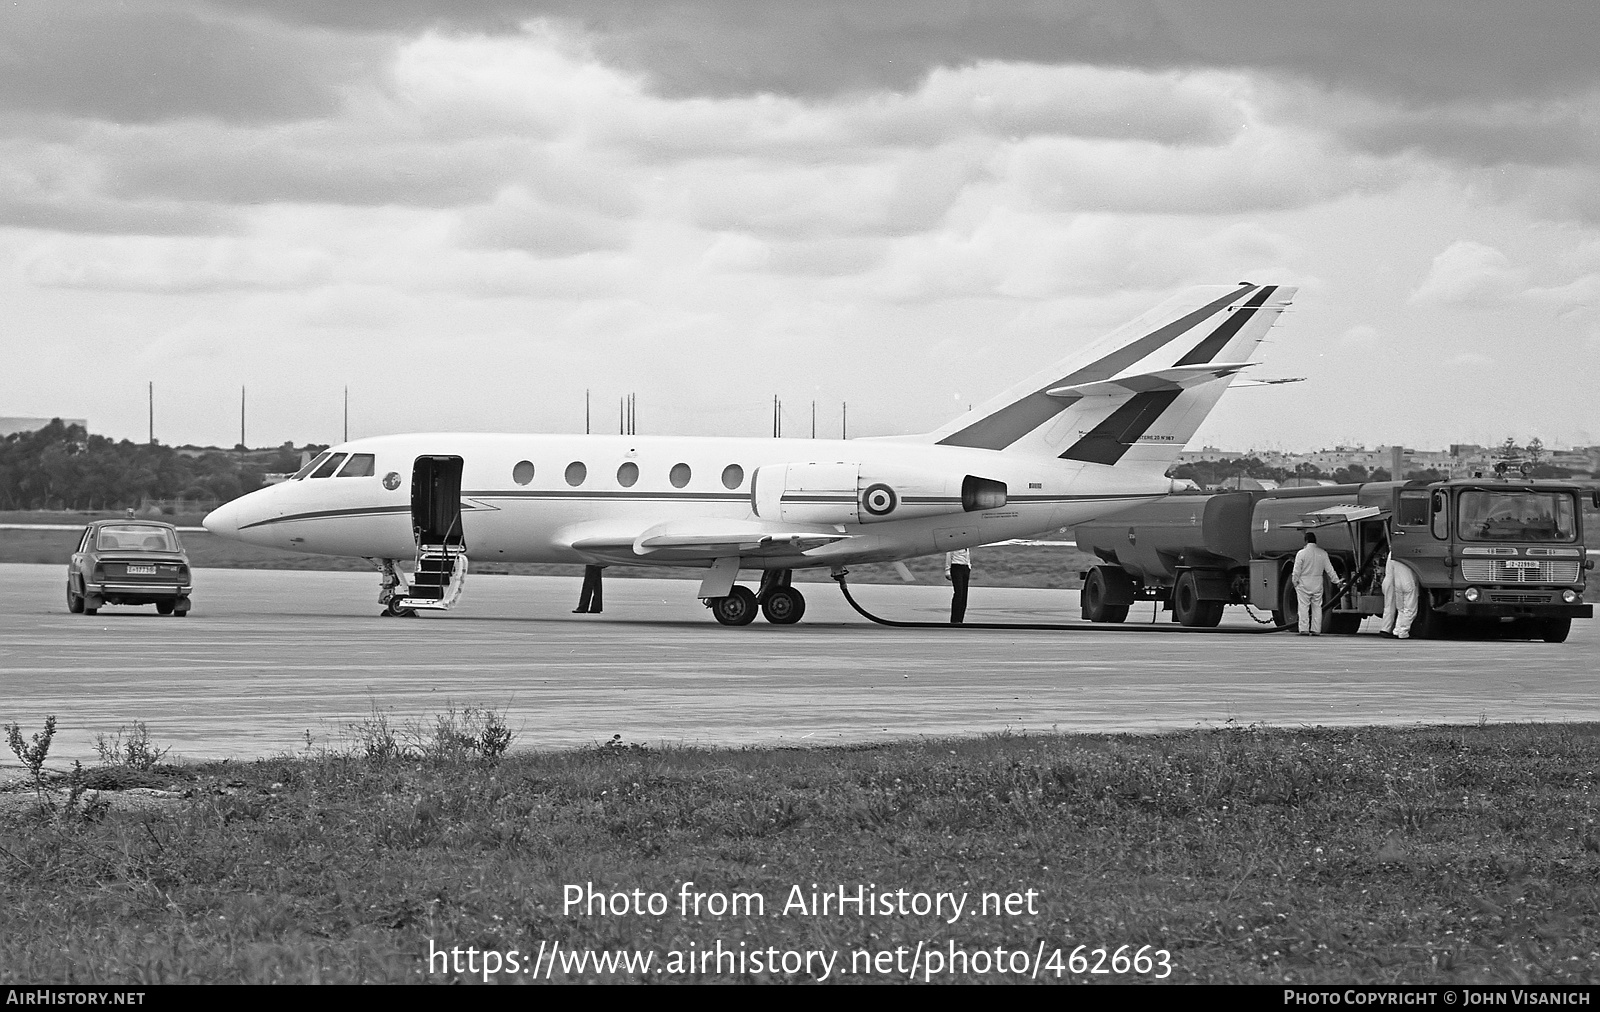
(523, 472)
(576, 472)
(732, 476)
(627, 474)
(679, 475)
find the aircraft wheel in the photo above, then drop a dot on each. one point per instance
(738, 608)
(74, 600)
(1556, 629)
(783, 606)
(164, 607)
(1093, 598)
(394, 610)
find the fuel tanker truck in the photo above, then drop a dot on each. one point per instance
(1492, 556)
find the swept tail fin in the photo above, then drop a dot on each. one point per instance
(1136, 396)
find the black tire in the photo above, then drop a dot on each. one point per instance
(1288, 613)
(738, 608)
(74, 600)
(165, 607)
(1429, 624)
(783, 606)
(1345, 623)
(1096, 589)
(1188, 608)
(1556, 629)
(394, 610)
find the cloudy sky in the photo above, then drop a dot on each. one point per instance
(472, 211)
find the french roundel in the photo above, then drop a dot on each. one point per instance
(879, 500)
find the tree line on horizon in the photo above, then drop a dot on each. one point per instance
(1212, 473)
(64, 467)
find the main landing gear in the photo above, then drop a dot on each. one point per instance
(779, 602)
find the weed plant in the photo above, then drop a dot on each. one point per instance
(1314, 856)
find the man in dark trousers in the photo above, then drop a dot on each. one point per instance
(958, 570)
(589, 601)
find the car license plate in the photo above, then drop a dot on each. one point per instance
(141, 570)
(1521, 564)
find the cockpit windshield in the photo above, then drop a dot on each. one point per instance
(135, 538)
(311, 465)
(1516, 515)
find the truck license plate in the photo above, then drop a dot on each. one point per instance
(1521, 564)
(141, 570)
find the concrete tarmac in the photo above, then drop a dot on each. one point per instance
(267, 657)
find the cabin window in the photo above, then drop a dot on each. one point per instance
(523, 472)
(627, 474)
(360, 465)
(679, 475)
(329, 467)
(732, 476)
(311, 465)
(576, 473)
(1441, 516)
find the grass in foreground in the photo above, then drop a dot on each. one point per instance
(1439, 854)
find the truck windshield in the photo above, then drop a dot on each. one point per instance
(1516, 515)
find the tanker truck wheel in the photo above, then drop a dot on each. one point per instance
(1096, 590)
(1188, 607)
(1556, 629)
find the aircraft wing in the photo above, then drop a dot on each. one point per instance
(680, 539)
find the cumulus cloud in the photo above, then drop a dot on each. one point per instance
(152, 62)
(149, 264)
(1423, 51)
(1470, 274)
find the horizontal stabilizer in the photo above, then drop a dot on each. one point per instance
(1175, 378)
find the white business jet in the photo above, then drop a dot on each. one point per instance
(1088, 436)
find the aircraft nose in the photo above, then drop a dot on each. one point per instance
(224, 520)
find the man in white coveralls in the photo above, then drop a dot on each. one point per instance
(1310, 564)
(1399, 599)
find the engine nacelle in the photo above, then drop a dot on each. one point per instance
(847, 493)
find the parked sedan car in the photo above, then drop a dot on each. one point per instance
(129, 562)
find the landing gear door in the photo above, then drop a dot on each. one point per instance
(436, 501)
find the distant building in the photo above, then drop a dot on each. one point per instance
(11, 426)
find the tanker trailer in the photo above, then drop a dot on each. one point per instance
(1196, 553)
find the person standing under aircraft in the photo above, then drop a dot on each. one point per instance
(958, 570)
(1399, 599)
(590, 600)
(1310, 564)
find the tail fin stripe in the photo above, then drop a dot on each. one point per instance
(1207, 349)
(1108, 441)
(1009, 424)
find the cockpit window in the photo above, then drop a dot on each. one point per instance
(311, 465)
(136, 538)
(361, 465)
(331, 466)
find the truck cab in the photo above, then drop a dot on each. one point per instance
(1505, 552)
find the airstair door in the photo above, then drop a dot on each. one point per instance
(436, 501)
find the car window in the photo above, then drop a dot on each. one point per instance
(331, 466)
(360, 466)
(135, 538)
(83, 539)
